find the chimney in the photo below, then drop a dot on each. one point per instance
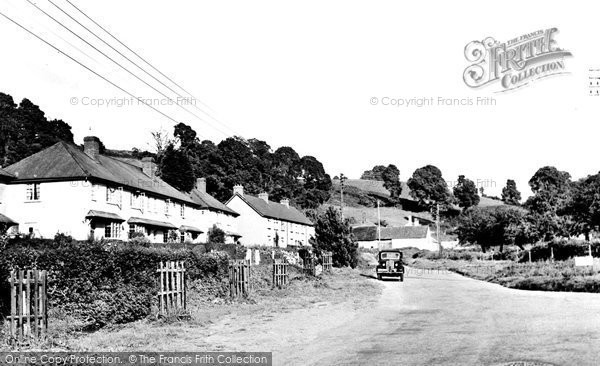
(148, 166)
(201, 184)
(91, 146)
(285, 202)
(238, 189)
(264, 196)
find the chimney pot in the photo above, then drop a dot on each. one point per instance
(264, 196)
(91, 146)
(148, 166)
(201, 184)
(285, 202)
(238, 189)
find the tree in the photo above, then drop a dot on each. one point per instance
(374, 174)
(216, 235)
(175, 169)
(391, 181)
(335, 235)
(510, 193)
(25, 130)
(465, 192)
(492, 226)
(583, 206)
(428, 187)
(547, 207)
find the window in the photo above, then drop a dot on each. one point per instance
(182, 210)
(131, 230)
(137, 201)
(167, 204)
(94, 192)
(165, 236)
(112, 230)
(33, 192)
(182, 237)
(114, 195)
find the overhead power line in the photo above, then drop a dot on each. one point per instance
(123, 67)
(86, 67)
(145, 61)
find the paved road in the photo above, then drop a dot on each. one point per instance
(444, 318)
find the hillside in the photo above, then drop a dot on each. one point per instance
(360, 202)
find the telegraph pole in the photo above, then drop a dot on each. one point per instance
(342, 180)
(437, 224)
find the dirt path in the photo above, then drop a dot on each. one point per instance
(429, 319)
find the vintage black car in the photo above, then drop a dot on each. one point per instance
(389, 264)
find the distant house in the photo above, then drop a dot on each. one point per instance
(267, 223)
(5, 221)
(394, 237)
(87, 194)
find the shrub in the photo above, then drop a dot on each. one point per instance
(101, 283)
(562, 250)
(216, 235)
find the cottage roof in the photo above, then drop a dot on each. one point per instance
(207, 201)
(275, 210)
(64, 161)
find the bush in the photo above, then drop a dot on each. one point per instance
(562, 250)
(102, 283)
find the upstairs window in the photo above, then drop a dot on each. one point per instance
(167, 206)
(114, 195)
(137, 200)
(182, 210)
(94, 192)
(33, 192)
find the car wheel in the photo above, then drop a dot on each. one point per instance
(379, 277)
(402, 278)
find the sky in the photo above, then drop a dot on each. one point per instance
(306, 74)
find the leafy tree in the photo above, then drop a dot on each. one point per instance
(510, 193)
(547, 206)
(335, 235)
(583, 207)
(391, 181)
(25, 130)
(216, 235)
(428, 187)
(175, 169)
(465, 192)
(492, 226)
(374, 174)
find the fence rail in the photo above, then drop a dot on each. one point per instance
(172, 287)
(239, 278)
(280, 273)
(28, 304)
(327, 262)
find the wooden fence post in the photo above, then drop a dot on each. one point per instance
(28, 304)
(172, 288)
(239, 278)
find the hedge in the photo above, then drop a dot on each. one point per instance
(102, 283)
(562, 250)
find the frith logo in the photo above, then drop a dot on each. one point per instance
(515, 63)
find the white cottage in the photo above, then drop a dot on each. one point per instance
(63, 189)
(267, 223)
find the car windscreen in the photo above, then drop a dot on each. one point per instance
(390, 255)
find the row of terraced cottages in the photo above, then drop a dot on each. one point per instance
(85, 194)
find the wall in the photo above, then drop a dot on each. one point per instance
(250, 224)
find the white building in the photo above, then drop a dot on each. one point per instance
(395, 237)
(213, 212)
(63, 189)
(268, 223)
(5, 221)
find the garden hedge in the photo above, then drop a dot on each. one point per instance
(99, 283)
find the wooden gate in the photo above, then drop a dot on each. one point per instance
(280, 273)
(327, 261)
(310, 266)
(171, 292)
(28, 304)
(239, 278)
